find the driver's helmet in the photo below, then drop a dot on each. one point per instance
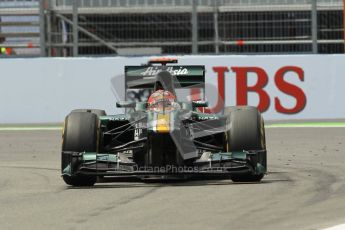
(162, 100)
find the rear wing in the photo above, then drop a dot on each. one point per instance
(143, 77)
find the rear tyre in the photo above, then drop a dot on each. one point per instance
(80, 134)
(247, 132)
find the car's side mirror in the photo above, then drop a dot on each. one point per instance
(197, 104)
(125, 104)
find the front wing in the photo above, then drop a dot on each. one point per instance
(209, 164)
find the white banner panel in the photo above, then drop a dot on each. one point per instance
(290, 87)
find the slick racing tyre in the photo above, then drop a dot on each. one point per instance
(246, 132)
(80, 134)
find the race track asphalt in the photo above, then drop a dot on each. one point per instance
(305, 189)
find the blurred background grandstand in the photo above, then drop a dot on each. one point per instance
(145, 27)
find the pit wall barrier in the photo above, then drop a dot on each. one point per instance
(43, 90)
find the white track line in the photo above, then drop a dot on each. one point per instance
(337, 227)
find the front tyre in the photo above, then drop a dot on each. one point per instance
(246, 132)
(80, 134)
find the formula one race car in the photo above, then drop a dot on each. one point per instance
(163, 137)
